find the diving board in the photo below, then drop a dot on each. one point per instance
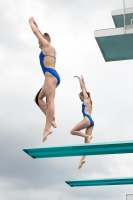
(100, 182)
(81, 149)
(118, 17)
(115, 44)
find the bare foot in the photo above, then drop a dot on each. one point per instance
(88, 139)
(45, 135)
(81, 164)
(53, 123)
(86, 136)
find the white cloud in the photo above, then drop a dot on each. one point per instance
(71, 25)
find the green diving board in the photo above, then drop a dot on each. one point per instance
(115, 44)
(81, 149)
(100, 182)
(118, 17)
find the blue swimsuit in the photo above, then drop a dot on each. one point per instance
(47, 69)
(86, 115)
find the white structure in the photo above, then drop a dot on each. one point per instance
(117, 43)
(123, 18)
(129, 197)
(128, 13)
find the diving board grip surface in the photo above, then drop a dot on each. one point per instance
(115, 44)
(100, 182)
(81, 149)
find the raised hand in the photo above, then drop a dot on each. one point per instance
(80, 81)
(31, 19)
(77, 77)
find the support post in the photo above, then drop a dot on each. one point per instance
(124, 16)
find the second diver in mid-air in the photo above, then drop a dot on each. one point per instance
(87, 122)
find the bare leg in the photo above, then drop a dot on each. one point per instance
(87, 140)
(89, 133)
(49, 87)
(42, 105)
(81, 125)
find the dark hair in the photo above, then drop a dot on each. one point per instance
(81, 93)
(47, 35)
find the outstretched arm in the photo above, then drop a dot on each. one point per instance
(83, 82)
(83, 87)
(37, 32)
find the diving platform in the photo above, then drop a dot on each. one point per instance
(100, 182)
(118, 17)
(81, 149)
(115, 44)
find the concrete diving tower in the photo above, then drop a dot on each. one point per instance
(118, 17)
(116, 43)
(101, 182)
(81, 149)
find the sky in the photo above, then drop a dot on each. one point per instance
(71, 25)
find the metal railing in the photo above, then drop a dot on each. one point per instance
(128, 13)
